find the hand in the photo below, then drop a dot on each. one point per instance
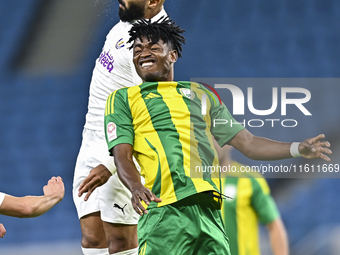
(142, 193)
(315, 148)
(55, 187)
(2, 230)
(97, 177)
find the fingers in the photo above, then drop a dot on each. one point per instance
(157, 200)
(54, 179)
(324, 157)
(316, 138)
(315, 148)
(323, 148)
(2, 230)
(325, 144)
(90, 190)
(143, 195)
(88, 194)
(59, 179)
(137, 206)
(82, 189)
(326, 150)
(97, 177)
(87, 185)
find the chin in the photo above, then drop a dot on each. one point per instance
(152, 77)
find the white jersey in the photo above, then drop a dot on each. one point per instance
(2, 197)
(113, 70)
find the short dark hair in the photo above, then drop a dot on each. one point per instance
(164, 29)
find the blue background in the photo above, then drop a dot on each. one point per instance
(42, 117)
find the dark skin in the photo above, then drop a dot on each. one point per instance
(156, 62)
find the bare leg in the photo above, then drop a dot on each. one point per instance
(120, 237)
(93, 235)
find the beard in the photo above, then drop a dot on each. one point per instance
(134, 12)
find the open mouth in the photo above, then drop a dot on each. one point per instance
(146, 63)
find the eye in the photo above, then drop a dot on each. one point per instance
(137, 51)
(155, 48)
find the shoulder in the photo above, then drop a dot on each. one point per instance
(120, 27)
(119, 92)
(118, 37)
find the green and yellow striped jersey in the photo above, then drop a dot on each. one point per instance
(252, 204)
(163, 122)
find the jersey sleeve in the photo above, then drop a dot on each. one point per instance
(118, 120)
(223, 126)
(2, 197)
(262, 202)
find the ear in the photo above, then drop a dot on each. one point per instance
(154, 3)
(173, 56)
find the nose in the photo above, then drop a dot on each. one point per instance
(145, 53)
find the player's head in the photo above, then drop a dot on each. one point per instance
(130, 10)
(156, 47)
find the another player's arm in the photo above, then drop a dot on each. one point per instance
(278, 237)
(33, 206)
(259, 148)
(96, 178)
(130, 177)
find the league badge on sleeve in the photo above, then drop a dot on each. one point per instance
(120, 44)
(111, 131)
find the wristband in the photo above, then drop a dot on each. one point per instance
(294, 150)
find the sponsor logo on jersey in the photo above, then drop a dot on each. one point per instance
(106, 60)
(187, 93)
(151, 95)
(111, 131)
(120, 44)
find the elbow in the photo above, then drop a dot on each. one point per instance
(26, 211)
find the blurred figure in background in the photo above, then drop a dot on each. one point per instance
(251, 204)
(32, 206)
(107, 220)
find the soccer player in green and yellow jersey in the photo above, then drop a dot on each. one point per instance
(161, 124)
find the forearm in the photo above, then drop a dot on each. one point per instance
(260, 148)
(278, 237)
(28, 206)
(130, 177)
(265, 149)
(42, 204)
(127, 170)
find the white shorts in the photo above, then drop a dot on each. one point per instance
(113, 199)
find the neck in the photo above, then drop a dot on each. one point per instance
(168, 77)
(152, 12)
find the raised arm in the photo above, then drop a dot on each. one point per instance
(130, 177)
(33, 206)
(259, 148)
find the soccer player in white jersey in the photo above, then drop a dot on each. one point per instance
(107, 220)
